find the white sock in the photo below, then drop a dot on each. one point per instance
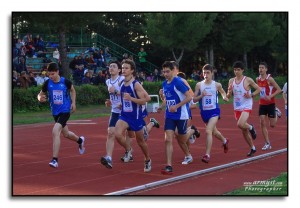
(250, 127)
(225, 140)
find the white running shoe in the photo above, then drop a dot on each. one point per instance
(192, 139)
(127, 156)
(267, 146)
(53, 163)
(187, 160)
(147, 167)
(278, 112)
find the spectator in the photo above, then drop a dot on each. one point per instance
(149, 78)
(101, 61)
(33, 82)
(24, 80)
(195, 76)
(142, 58)
(99, 79)
(156, 76)
(41, 78)
(15, 80)
(107, 55)
(56, 55)
(21, 66)
(87, 78)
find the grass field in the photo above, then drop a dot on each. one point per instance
(82, 112)
(272, 187)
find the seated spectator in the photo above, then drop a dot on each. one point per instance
(33, 82)
(149, 78)
(73, 63)
(15, 80)
(156, 76)
(195, 76)
(21, 66)
(24, 80)
(87, 78)
(99, 79)
(140, 77)
(224, 74)
(40, 79)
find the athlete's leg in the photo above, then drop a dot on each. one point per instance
(244, 126)
(169, 134)
(120, 128)
(210, 126)
(263, 126)
(143, 145)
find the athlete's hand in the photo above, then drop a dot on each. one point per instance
(126, 96)
(73, 108)
(107, 103)
(225, 99)
(42, 98)
(172, 109)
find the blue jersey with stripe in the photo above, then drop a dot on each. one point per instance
(130, 110)
(59, 96)
(174, 94)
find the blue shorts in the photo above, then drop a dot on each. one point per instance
(114, 117)
(145, 113)
(171, 124)
(134, 124)
(208, 114)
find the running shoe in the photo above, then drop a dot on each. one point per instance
(192, 139)
(147, 167)
(197, 132)
(267, 146)
(106, 161)
(128, 156)
(155, 122)
(278, 112)
(206, 158)
(253, 132)
(168, 170)
(187, 160)
(53, 163)
(251, 153)
(225, 146)
(81, 146)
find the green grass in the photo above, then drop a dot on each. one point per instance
(82, 112)
(273, 187)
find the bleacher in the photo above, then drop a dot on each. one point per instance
(36, 64)
(78, 44)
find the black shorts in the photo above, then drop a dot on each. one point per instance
(62, 118)
(267, 110)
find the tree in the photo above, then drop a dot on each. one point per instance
(178, 31)
(248, 30)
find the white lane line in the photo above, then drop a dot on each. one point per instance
(196, 173)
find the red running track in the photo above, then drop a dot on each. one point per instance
(84, 175)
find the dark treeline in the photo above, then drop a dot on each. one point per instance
(192, 39)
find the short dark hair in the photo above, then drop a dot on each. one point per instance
(238, 64)
(116, 62)
(168, 64)
(208, 67)
(175, 64)
(52, 67)
(263, 63)
(182, 75)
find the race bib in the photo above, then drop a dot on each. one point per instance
(237, 102)
(58, 97)
(262, 92)
(127, 106)
(207, 102)
(170, 103)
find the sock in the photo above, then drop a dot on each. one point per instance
(108, 157)
(79, 141)
(253, 147)
(250, 128)
(225, 140)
